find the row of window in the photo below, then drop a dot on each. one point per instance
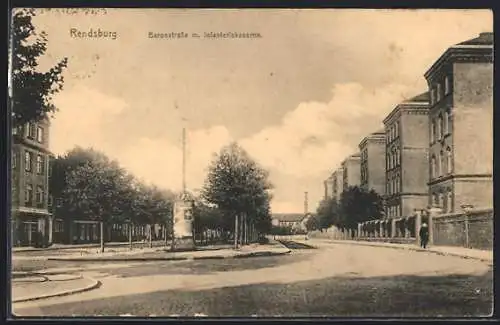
(393, 211)
(28, 162)
(437, 90)
(444, 200)
(392, 133)
(364, 173)
(393, 185)
(441, 126)
(443, 164)
(393, 158)
(31, 131)
(29, 199)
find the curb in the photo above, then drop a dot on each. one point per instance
(414, 249)
(94, 285)
(186, 258)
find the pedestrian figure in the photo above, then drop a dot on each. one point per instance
(424, 235)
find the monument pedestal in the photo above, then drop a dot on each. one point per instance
(183, 244)
(183, 239)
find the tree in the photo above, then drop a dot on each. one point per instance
(312, 223)
(94, 189)
(328, 213)
(358, 205)
(32, 90)
(239, 187)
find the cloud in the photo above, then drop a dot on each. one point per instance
(83, 118)
(159, 160)
(315, 137)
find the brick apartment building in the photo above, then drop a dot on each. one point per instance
(30, 181)
(407, 145)
(372, 172)
(351, 171)
(461, 125)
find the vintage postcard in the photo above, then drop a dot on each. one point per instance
(251, 163)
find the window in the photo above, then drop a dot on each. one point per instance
(438, 95)
(396, 131)
(441, 201)
(450, 201)
(39, 134)
(433, 166)
(446, 85)
(39, 194)
(440, 127)
(449, 166)
(31, 130)
(28, 195)
(27, 161)
(14, 160)
(433, 131)
(440, 164)
(14, 130)
(436, 199)
(433, 95)
(445, 123)
(39, 164)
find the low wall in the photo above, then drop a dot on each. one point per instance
(472, 230)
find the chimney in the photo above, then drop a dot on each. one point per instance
(306, 208)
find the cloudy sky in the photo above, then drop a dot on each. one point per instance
(299, 99)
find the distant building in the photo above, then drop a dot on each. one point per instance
(329, 187)
(351, 171)
(407, 145)
(338, 182)
(30, 182)
(372, 165)
(290, 220)
(460, 165)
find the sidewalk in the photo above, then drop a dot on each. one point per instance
(153, 254)
(64, 247)
(41, 286)
(482, 255)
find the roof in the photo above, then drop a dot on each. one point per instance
(288, 217)
(479, 47)
(485, 38)
(423, 97)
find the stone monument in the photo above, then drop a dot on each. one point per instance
(183, 239)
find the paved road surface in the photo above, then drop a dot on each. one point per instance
(335, 280)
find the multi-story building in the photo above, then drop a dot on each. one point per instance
(351, 169)
(338, 182)
(30, 181)
(407, 156)
(328, 184)
(372, 165)
(460, 165)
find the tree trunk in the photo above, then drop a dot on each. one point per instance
(150, 236)
(246, 230)
(130, 235)
(101, 224)
(236, 231)
(166, 235)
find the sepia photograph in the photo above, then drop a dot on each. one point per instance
(251, 163)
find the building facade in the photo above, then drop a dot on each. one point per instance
(460, 165)
(351, 171)
(338, 182)
(372, 164)
(30, 181)
(329, 187)
(406, 153)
